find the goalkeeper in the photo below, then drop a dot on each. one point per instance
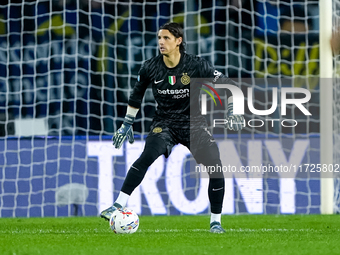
(169, 75)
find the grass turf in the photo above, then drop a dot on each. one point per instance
(246, 234)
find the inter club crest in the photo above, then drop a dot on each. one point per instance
(185, 79)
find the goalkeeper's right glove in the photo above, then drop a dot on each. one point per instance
(124, 131)
(235, 122)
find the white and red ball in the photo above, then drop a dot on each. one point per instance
(124, 221)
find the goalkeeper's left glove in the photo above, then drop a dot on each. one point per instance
(234, 122)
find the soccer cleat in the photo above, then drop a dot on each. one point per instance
(106, 214)
(215, 227)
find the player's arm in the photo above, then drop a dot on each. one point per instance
(135, 101)
(234, 122)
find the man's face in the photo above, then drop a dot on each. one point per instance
(167, 42)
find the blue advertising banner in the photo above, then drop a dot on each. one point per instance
(34, 173)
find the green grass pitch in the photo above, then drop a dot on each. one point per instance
(246, 234)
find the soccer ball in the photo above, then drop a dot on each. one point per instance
(124, 221)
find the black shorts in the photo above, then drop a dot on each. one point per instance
(197, 139)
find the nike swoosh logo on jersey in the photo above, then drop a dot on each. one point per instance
(156, 82)
(217, 189)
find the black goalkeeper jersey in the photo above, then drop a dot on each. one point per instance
(173, 87)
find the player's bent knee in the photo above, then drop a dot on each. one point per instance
(152, 150)
(208, 156)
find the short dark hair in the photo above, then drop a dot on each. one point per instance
(176, 30)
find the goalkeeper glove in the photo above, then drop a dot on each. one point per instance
(124, 131)
(234, 122)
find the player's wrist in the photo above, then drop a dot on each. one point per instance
(130, 116)
(230, 106)
(128, 120)
(131, 111)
